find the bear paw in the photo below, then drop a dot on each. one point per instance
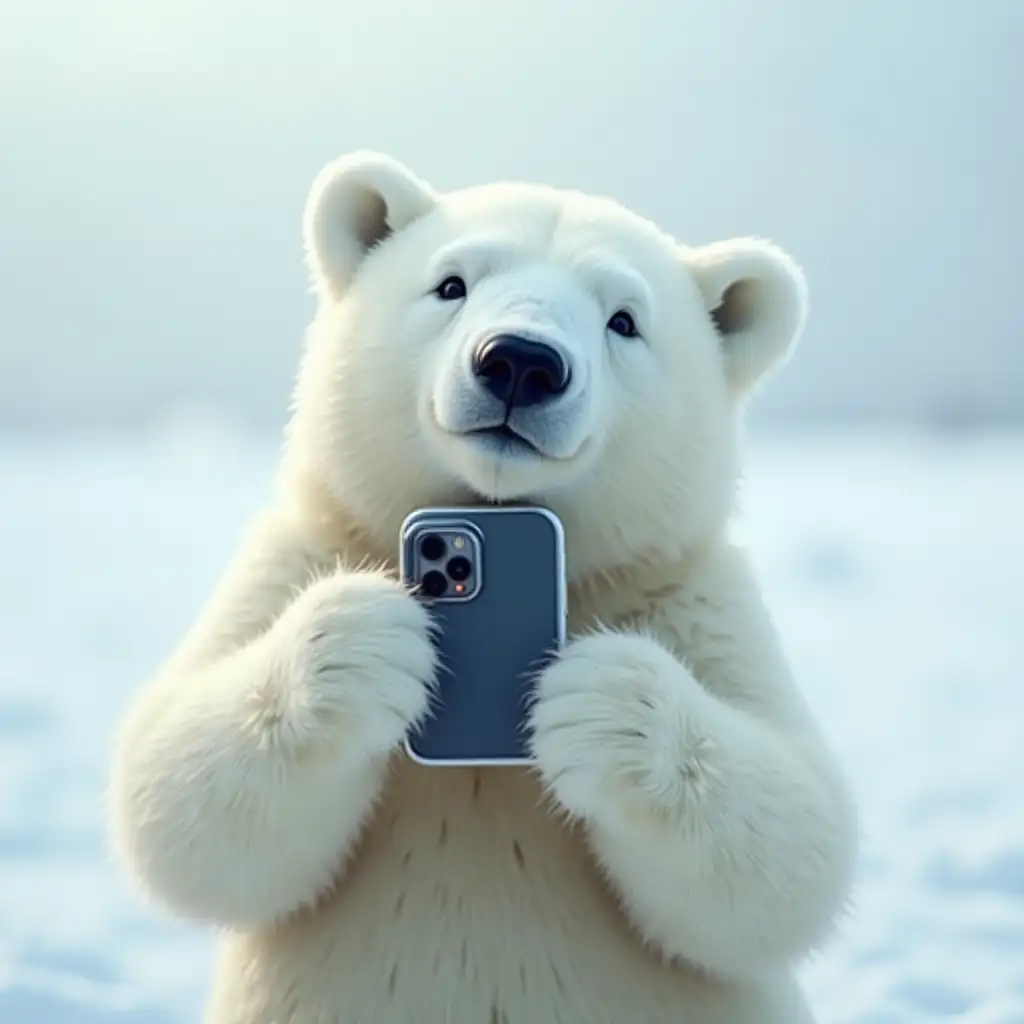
(360, 661)
(615, 728)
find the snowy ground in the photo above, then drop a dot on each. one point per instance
(894, 563)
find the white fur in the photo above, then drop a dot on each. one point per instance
(760, 301)
(714, 806)
(686, 837)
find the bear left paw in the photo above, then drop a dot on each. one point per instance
(617, 728)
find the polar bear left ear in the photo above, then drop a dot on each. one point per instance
(756, 297)
(356, 202)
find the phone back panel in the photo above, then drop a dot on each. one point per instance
(493, 645)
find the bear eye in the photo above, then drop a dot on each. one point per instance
(622, 323)
(451, 289)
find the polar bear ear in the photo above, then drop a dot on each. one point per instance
(756, 297)
(355, 203)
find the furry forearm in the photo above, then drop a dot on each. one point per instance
(746, 859)
(730, 841)
(239, 784)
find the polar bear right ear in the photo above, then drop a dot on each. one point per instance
(756, 296)
(355, 202)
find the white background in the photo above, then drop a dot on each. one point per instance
(154, 159)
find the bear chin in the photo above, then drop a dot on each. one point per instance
(499, 466)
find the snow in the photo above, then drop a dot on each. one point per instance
(893, 563)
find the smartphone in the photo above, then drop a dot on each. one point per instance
(494, 579)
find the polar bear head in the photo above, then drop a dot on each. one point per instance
(513, 342)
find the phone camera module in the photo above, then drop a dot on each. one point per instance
(459, 568)
(433, 547)
(434, 583)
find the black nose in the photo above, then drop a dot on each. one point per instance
(520, 372)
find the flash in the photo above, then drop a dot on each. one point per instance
(460, 588)
(458, 543)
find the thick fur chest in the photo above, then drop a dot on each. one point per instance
(468, 900)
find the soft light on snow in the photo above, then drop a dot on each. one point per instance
(895, 568)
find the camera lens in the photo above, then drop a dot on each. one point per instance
(459, 568)
(433, 547)
(434, 583)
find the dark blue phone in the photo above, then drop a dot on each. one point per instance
(494, 579)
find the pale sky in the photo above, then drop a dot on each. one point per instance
(156, 153)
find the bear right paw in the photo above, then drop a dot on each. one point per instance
(362, 665)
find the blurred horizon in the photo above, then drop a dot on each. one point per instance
(156, 160)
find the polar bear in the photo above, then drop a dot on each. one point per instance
(684, 836)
